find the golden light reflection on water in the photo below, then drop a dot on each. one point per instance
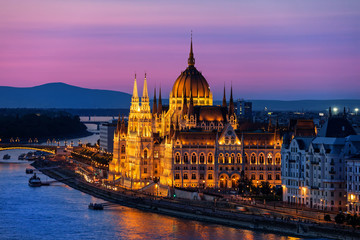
(145, 225)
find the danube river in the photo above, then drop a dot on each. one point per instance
(60, 212)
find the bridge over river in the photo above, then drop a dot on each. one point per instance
(43, 148)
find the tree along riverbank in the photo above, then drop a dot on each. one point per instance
(197, 211)
(38, 127)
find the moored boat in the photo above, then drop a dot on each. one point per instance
(21, 157)
(96, 206)
(34, 181)
(29, 171)
(6, 157)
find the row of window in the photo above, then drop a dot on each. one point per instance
(262, 158)
(193, 176)
(210, 158)
(261, 177)
(226, 159)
(201, 168)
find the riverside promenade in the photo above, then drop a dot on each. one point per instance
(199, 210)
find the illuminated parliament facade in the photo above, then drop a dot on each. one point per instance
(191, 143)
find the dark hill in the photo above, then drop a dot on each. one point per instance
(64, 96)
(61, 95)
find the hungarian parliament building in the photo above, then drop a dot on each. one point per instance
(191, 143)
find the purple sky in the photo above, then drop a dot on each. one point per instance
(267, 49)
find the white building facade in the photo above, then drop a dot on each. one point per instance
(314, 171)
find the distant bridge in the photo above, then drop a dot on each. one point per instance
(42, 148)
(97, 123)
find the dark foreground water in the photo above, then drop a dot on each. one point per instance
(60, 212)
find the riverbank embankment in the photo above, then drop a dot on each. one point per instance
(184, 209)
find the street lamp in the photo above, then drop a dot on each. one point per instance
(356, 110)
(335, 110)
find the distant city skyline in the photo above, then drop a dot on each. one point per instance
(265, 49)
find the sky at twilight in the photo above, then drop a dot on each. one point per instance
(266, 49)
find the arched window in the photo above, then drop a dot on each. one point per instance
(232, 158)
(226, 158)
(145, 154)
(186, 158)
(193, 158)
(253, 159)
(221, 158)
(232, 140)
(177, 157)
(202, 158)
(145, 131)
(246, 158)
(238, 158)
(210, 158)
(122, 148)
(277, 159)
(269, 158)
(269, 177)
(226, 140)
(261, 159)
(261, 176)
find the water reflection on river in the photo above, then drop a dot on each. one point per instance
(60, 212)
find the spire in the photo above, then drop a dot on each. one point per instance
(145, 91)
(224, 98)
(123, 126)
(154, 109)
(191, 104)
(344, 113)
(191, 60)
(231, 104)
(185, 106)
(177, 126)
(330, 113)
(159, 109)
(118, 126)
(135, 90)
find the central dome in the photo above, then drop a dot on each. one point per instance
(191, 81)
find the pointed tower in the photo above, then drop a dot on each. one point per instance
(330, 113)
(191, 60)
(145, 96)
(118, 126)
(191, 105)
(145, 104)
(224, 98)
(135, 99)
(231, 104)
(123, 128)
(185, 105)
(154, 109)
(159, 109)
